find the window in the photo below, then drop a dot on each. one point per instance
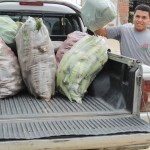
(56, 24)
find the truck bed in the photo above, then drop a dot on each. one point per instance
(25, 117)
(107, 109)
(108, 116)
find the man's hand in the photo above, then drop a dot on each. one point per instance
(101, 32)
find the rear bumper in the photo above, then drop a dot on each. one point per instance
(99, 142)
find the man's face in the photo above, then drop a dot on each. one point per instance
(141, 20)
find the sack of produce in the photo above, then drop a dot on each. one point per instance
(56, 45)
(80, 65)
(8, 29)
(10, 77)
(96, 14)
(36, 57)
(72, 38)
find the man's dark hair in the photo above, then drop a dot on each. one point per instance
(142, 7)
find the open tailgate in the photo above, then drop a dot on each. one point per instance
(24, 126)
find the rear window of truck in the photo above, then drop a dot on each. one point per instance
(57, 25)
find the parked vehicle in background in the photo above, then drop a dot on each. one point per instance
(145, 102)
(110, 114)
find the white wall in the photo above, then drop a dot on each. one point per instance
(76, 1)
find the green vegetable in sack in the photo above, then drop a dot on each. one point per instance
(8, 29)
(96, 14)
(80, 65)
(38, 24)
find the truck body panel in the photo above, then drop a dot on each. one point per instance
(100, 117)
(108, 118)
(96, 142)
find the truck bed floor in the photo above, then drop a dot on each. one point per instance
(25, 105)
(25, 117)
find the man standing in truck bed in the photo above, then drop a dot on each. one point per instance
(134, 40)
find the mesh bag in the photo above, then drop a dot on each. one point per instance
(36, 58)
(72, 38)
(97, 13)
(8, 29)
(80, 65)
(10, 77)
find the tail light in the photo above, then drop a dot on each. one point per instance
(32, 3)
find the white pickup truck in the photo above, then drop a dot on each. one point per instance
(109, 117)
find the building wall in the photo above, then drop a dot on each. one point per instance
(123, 11)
